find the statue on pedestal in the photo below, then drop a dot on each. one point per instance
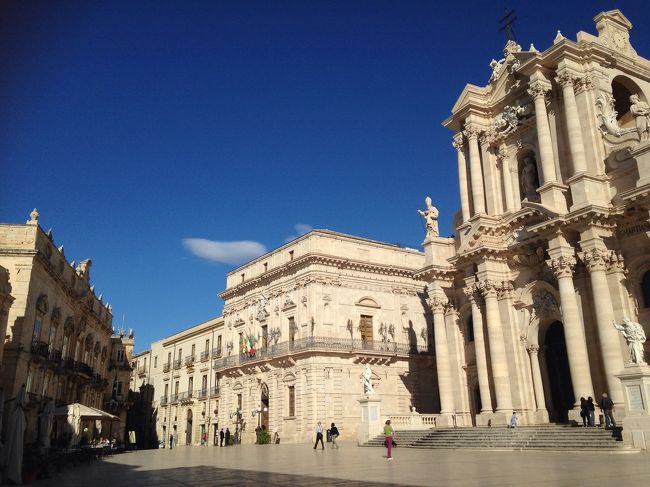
(430, 216)
(635, 336)
(367, 381)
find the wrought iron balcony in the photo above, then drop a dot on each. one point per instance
(327, 344)
(163, 400)
(141, 369)
(178, 363)
(189, 360)
(202, 393)
(216, 353)
(214, 391)
(40, 349)
(173, 398)
(167, 367)
(205, 356)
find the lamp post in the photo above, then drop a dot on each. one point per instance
(258, 411)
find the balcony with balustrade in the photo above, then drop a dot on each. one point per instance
(166, 367)
(214, 391)
(164, 400)
(216, 353)
(189, 360)
(142, 370)
(205, 356)
(177, 364)
(378, 350)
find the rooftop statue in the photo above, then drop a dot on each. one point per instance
(430, 216)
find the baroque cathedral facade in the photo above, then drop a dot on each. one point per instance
(515, 312)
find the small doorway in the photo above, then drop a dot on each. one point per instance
(559, 374)
(365, 327)
(188, 428)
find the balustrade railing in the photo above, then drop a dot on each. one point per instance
(163, 400)
(322, 344)
(167, 367)
(177, 364)
(214, 391)
(141, 369)
(205, 356)
(189, 360)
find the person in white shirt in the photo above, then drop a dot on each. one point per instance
(319, 436)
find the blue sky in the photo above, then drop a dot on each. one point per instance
(153, 135)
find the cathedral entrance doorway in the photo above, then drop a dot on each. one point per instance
(559, 375)
(476, 403)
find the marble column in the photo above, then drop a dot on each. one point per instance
(476, 169)
(479, 351)
(596, 260)
(437, 305)
(504, 157)
(498, 357)
(538, 91)
(574, 332)
(462, 176)
(572, 116)
(533, 352)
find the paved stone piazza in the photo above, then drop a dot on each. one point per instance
(300, 465)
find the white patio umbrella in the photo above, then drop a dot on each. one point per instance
(46, 421)
(12, 454)
(76, 412)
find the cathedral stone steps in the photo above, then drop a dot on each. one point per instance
(543, 437)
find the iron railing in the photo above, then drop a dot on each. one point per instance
(331, 344)
(205, 356)
(177, 364)
(189, 360)
(166, 367)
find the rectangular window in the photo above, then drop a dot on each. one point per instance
(38, 324)
(50, 341)
(120, 356)
(265, 337)
(193, 350)
(266, 266)
(190, 385)
(207, 345)
(155, 361)
(292, 330)
(176, 388)
(242, 344)
(64, 349)
(292, 401)
(219, 344)
(169, 358)
(166, 390)
(204, 383)
(180, 354)
(239, 402)
(291, 255)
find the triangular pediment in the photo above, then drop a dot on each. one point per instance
(471, 95)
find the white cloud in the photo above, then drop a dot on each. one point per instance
(236, 252)
(301, 229)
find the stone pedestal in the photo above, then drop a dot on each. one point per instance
(553, 196)
(642, 155)
(636, 390)
(371, 424)
(586, 190)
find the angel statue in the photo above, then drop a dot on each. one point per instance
(635, 336)
(430, 216)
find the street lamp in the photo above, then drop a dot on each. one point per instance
(258, 411)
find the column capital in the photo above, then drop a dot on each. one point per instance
(539, 89)
(437, 304)
(567, 78)
(458, 142)
(487, 288)
(505, 290)
(470, 292)
(472, 131)
(616, 263)
(596, 259)
(562, 266)
(532, 349)
(584, 83)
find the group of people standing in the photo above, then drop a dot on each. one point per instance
(334, 434)
(588, 411)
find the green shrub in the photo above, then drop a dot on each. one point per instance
(264, 438)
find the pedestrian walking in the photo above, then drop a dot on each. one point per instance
(388, 435)
(592, 411)
(171, 441)
(607, 406)
(221, 435)
(227, 436)
(319, 435)
(334, 434)
(584, 411)
(513, 419)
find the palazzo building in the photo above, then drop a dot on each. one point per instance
(514, 312)
(58, 336)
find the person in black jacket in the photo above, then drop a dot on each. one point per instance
(592, 411)
(607, 406)
(584, 411)
(221, 437)
(334, 433)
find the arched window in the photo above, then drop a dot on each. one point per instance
(622, 89)
(645, 289)
(470, 329)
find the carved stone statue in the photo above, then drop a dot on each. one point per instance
(635, 336)
(430, 216)
(367, 381)
(641, 112)
(529, 180)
